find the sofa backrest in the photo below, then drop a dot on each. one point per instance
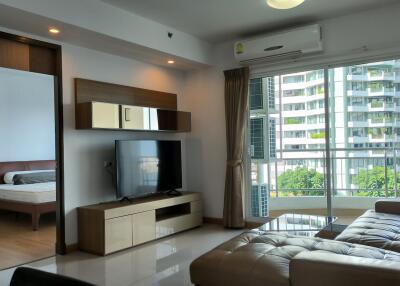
(320, 268)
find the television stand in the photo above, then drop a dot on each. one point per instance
(110, 227)
(174, 193)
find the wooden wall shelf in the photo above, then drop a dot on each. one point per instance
(101, 105)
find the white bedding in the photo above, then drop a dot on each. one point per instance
(31, 193)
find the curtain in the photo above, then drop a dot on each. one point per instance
(236, 102)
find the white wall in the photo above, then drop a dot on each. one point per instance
(206, 145)
(27, 125)
(86, 181)
(204, 90)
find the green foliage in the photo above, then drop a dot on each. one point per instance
(319, 135)
(299, 179)
(308, 182)
(372, 182)
(294, 120)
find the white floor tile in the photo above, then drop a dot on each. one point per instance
(163, 263)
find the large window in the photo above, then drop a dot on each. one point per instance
(290, 156)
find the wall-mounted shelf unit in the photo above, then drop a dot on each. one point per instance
(102, 105)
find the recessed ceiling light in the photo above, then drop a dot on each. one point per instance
(171, 62)
(284, 4)
(54, 30)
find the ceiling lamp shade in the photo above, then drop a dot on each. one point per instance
(284, 4)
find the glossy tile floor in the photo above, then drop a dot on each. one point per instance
(164, 262)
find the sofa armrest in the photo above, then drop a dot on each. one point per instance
(388, 206)
(320, 268)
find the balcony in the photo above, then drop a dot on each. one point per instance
(381, 91)
(358, 124)
(299, 185)
(353, 92)
(358, 139)
(381, 75)
(380, 122)
(372, 76)
(372, 91)
(358, 108)
(381, 106)
(377, 138)
(317, 135)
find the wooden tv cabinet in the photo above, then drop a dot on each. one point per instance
(110, 227)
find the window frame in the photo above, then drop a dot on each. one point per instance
(292, 70)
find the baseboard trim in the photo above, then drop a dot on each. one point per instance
(213, 220)
(72, 247)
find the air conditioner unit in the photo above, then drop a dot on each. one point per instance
(282, 45)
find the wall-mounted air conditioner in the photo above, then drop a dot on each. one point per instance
(282, 45)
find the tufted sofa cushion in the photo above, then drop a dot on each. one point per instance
(262, 258)
(380, 230)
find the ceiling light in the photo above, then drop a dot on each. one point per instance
(171, 62)
(54, 30)
(284, 4)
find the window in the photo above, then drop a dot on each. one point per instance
(294, 107)
(315, 90)
(295, 147)
(294, 134)
(293, 92)
(315, 75)
(357, 116)
(363, 116)
(358, 86)
(356, 101)
(316, 104)
(293, 79)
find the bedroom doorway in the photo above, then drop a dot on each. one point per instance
(31, 158)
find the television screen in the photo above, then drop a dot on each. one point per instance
(145, 167)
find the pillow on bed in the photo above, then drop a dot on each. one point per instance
(34, 178)
(9, 177)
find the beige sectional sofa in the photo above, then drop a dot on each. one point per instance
(366, 253)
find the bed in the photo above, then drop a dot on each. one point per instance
(34, 199)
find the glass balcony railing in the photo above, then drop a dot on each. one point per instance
(381, 104)
(361, 172)
(381, 74)
(381, 120)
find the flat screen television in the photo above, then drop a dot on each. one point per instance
(146, 167)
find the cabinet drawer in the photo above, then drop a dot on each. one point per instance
(118, 233)
(177, 224)
(135, 117)
(105, 115)
(144, 227)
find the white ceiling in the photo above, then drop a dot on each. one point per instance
(221, 20)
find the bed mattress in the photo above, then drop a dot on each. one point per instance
(31, 193)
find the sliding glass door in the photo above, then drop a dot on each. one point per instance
(364, 120)
(355, 109)
(287, 144)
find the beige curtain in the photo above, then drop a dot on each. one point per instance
(236, 101)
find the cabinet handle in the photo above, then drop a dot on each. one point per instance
(127, 115)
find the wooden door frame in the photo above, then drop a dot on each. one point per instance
(59, 131)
